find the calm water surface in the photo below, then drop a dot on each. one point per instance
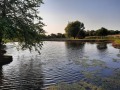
(61, 62)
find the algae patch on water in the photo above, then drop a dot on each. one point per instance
(75, 86)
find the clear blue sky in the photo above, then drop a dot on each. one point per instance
(93, 13)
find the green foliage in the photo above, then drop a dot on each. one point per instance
(102, 32)
(90, 33)
(58, 35)
(19, 20)
(75, 29)
(75, 86)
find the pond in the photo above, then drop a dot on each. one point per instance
(63, 66)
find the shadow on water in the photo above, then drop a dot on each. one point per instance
(4, 59)
(75, 44)
(75, 51)
(1, 76)
(102, 49)
(27, 75)
(30, 75)
(102, 46)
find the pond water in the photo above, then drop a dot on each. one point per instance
(63, 66)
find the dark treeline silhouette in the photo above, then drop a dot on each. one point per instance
(58, 35)
(76, 29)
(86, 33)
(101, 32)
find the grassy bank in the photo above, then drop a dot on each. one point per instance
(117, 41)
(82, 40)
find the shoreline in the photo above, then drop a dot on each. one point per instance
(81, 40)
(114, 44)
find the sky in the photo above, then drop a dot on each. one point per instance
(93, 13)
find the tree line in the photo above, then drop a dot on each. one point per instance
(58, 35)
(76, 29)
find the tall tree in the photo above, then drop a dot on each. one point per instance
(19, 20)
(102, 32)
(75, 29)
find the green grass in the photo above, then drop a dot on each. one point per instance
(117, 41)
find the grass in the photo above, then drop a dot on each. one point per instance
(117, 41)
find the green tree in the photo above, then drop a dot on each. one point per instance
(75, 29)
(19, 20)
(60, 35)
(102, 32)
(53, 35)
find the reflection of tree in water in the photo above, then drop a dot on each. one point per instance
(102, 49)
(30, 75)
(26, 75)
(102, 46)
(118, 55)
(75, 51)
(75, 44)
(1, 76)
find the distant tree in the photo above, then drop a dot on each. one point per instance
(19, 20)
(75, 29)
(90, 33)
(60, 35)
(113, 32)
(102, 32)
(53, 35)
(117, 32)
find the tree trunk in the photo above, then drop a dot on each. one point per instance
(74, 37)
(3, 15)
(0, 46)
(2, 51)
(0, 40)
(4, 9)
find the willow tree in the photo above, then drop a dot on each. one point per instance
(20, 20)
(75, 29)
(102, 32)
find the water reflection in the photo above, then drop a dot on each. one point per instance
(30, 75)
(1, 76)
(75, 50)
(74, 44)
(59, 62)
(25, 75)
(102, 50)
(102, 46)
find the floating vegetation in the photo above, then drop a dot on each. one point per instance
(116, 60)
(75, 86)
(106, 83)
(118, 55)
(86, 63)
(112, 82)
(86, 56)
(95, 82)
(96, 62)
(83, 62)
(89, 75)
